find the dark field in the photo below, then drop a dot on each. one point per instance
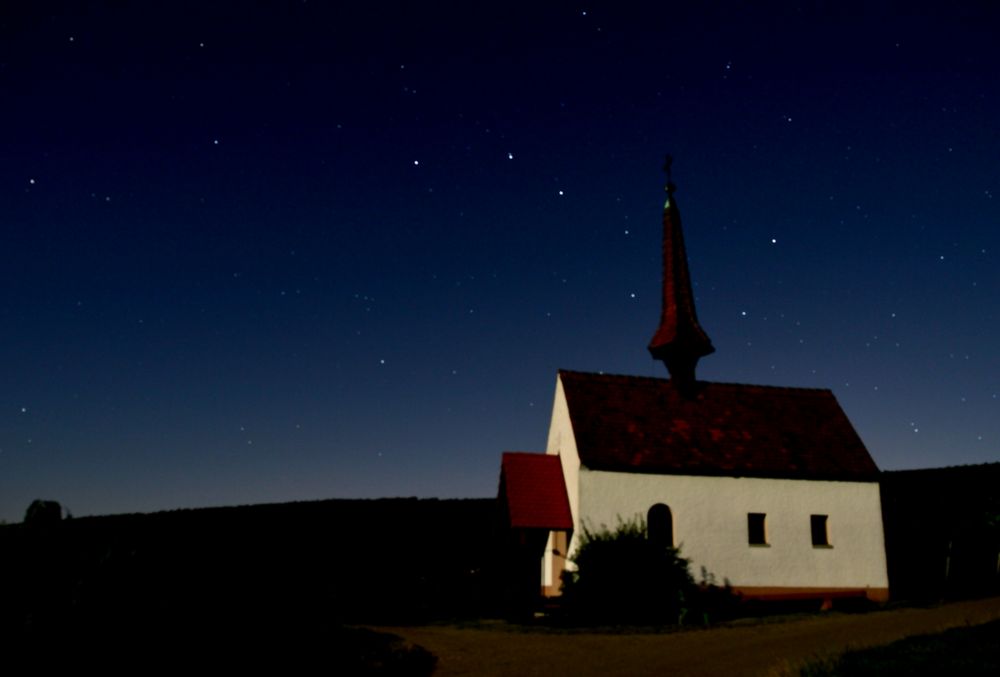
(247, 585)
(959, 651)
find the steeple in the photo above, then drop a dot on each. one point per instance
(679, 341)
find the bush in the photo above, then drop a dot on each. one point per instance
(622, 576)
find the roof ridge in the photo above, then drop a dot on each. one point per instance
(657, 379)
(960, 466)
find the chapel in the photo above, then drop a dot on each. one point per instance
(769, 488)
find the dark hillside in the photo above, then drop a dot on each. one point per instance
(205, 572)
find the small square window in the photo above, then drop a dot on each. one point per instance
(820, 535)
(756, 528)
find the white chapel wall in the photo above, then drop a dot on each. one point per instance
(710, 525)
(563, 443)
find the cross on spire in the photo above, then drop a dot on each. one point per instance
(670, 187)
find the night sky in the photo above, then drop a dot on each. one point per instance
(258, 252)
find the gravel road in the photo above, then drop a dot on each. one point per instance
(742, 648)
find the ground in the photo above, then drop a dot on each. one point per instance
(743, 648)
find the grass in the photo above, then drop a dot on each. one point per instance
(275, 639)
(960, 651)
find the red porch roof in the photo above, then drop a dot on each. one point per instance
(533, 491)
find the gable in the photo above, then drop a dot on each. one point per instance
(637, 424)
(533, 491)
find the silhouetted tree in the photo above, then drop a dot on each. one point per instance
(43, 513)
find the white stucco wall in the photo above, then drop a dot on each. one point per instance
(562, 443)
(710, 525)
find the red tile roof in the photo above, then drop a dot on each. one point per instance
(534, 492)
(637, 424)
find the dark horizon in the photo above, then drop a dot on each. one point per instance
(295, 252)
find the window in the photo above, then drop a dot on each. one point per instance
(820, 535)
(756, 528)
(660, 525)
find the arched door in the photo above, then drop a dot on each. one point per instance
(660, 525)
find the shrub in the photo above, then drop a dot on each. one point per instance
(622, 576)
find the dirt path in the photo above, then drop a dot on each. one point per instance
(758, 649)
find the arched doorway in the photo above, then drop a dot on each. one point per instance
(660, 525)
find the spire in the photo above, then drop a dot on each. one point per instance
(679, 341)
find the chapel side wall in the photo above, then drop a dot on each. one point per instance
(554, 564)
(710, 526)
(561, 442)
